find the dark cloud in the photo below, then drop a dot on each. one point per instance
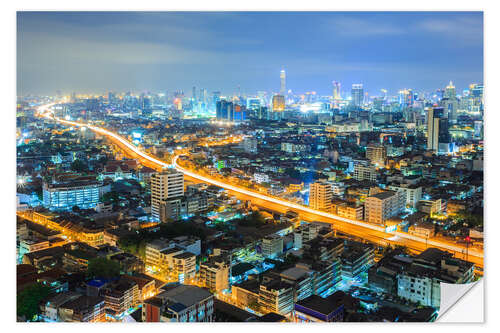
(101, 51)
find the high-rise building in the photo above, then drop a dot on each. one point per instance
(384, 205)
(253, 103)
(165, 185)
(283, 82)
(278, 103)
(194, 94)
(240, 113)
(362, 173)
(450, 91)
(377, 154)
(406, 97)
(450, 103)
(357, 94)
(478, 129)
(336, 90)
(320, 195)
(437, 129)
(224, 110)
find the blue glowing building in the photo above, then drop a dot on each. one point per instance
(64, 196)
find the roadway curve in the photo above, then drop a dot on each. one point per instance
(473, 254)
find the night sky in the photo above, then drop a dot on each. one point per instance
(96, 52)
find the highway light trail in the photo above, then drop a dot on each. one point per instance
(47, 113)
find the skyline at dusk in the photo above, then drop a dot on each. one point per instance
(166, 51)
(265, 167)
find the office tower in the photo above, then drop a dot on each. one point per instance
(215, 98)
(165, 185)
(111, 97)
(320, 195)
(262, 112)
(336, 90)
(253, 103)
(204, 96)
(92, 105)
(194, 94)
(240, 113)
(450, 103)
(450, 106)
(384, 94)
(377, 154)
(64, 195)
(224, 110)
(278, 103)
(450, 91)
(145, 104)
(437, 130)
(357, 94)
(478, 129)
(283, 82)
(406, 97)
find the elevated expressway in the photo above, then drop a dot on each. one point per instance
(367, 231)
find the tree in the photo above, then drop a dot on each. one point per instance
(112, 196)
(28, 300)
(79, 166)
(103, 268)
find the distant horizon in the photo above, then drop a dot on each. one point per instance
(98, 52)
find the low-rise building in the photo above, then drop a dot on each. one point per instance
(214, 273)
(421, 283)
(272, 246)
(180, 303)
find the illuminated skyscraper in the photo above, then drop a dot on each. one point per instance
(437, 130)
(406, 97)
(278, 103)
(357, 94)
(225, 110)
(450, 91)
(283, 82)
(336, 90)
(450, 103)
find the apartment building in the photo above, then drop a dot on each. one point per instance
(165, 185)
(384, 205)
(320, 196)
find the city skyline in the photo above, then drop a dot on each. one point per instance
(144, 51)
(248, 167)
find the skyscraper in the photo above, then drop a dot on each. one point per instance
(165, 185)
(450, 91)
(278, 103)
(336, 90)
(224, 110)
(406, 97)
(283, 82)
(357, 94)
(437, 130)
(450, 103)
